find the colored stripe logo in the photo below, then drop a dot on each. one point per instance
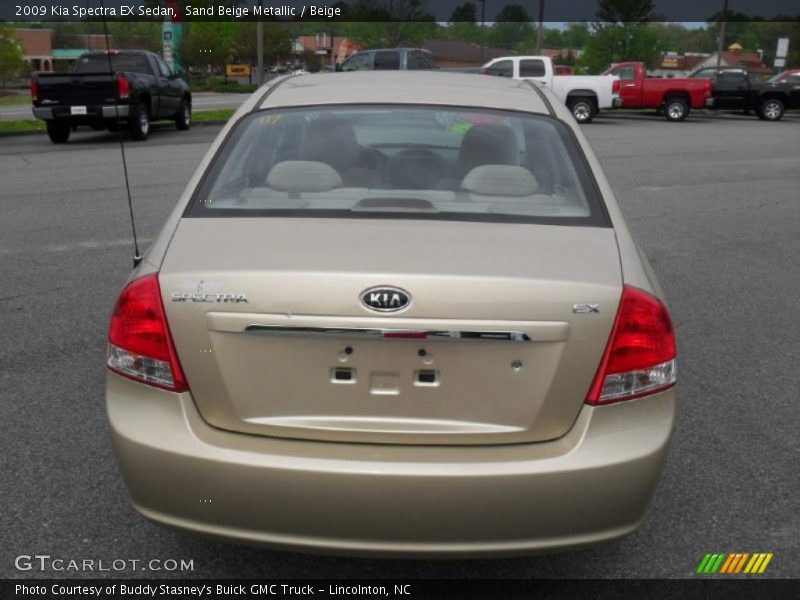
(734, 563)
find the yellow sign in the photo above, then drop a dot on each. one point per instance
(237, 70)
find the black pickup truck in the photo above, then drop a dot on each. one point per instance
(734, 89)
(108, 90)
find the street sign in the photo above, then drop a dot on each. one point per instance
(237, 70)
(782, 51)
(167, 45)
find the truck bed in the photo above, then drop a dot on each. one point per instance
(72, 88)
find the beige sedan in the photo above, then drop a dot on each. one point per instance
(395, 314)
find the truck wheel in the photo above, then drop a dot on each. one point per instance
(184, 118)
(676, 109)
(771, 109)
(582, 109)
(58, 132)
(139, 122)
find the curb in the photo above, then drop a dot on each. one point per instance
(43, 132)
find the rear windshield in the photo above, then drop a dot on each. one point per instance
(401, 162)
(97, 63)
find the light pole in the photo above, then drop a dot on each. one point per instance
(721, 41)
(483, 27)
(260, 48)
(539, 30)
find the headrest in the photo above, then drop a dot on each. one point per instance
(500, 180)
(488, 143)
(303, 176)
(331, 140)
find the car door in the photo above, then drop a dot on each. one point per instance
(501, 68)
(732, 90)
(169, 89)
(629, 92)
(387, 60)
(533, 69)
(358, 62)
(418, 60)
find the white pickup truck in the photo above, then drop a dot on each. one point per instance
(583, 94)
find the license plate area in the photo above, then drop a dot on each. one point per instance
(77, 110)
(355, 383)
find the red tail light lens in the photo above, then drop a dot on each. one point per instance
(34, 90)
(123, 88)
(640, 354)
(616, 86)
(140, 345)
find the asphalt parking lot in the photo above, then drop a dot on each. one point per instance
(714, 202)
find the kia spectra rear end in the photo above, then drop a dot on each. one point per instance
(394, 323)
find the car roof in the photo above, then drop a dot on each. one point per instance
(406, 87)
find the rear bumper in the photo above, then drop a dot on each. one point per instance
(709, 103)
(616, 102)
(589, 486)
(62, 113)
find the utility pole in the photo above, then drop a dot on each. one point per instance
(541, 27)
(483, 27)
(721, 41)
(260, 52)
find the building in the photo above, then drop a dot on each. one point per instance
(673, 64)
(37, 47)
(328, 48)
(454, 54)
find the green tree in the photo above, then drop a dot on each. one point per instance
(277, 42)
(576, 35)
(622, 32)
(388, 23)
(12, 60)
(136, 35)
(464, 12)
(512, 27)
(208, 44)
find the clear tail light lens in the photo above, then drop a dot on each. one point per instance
(640, 355)
(139, 342)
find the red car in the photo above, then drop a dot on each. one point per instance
(790, 76)
(675, 97)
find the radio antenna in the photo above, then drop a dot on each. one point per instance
(137, 258)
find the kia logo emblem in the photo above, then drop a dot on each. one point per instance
(385, 299)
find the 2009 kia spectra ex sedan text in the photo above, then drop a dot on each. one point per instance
(395, 314)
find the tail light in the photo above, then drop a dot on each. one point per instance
(139, 343)
(34, 90)
(640, 355)
(616, 86)
(707, 87)
(123, 88)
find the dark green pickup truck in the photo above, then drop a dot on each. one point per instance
(734, 89)
(108, 90)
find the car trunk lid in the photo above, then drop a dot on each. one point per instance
(503, 334)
